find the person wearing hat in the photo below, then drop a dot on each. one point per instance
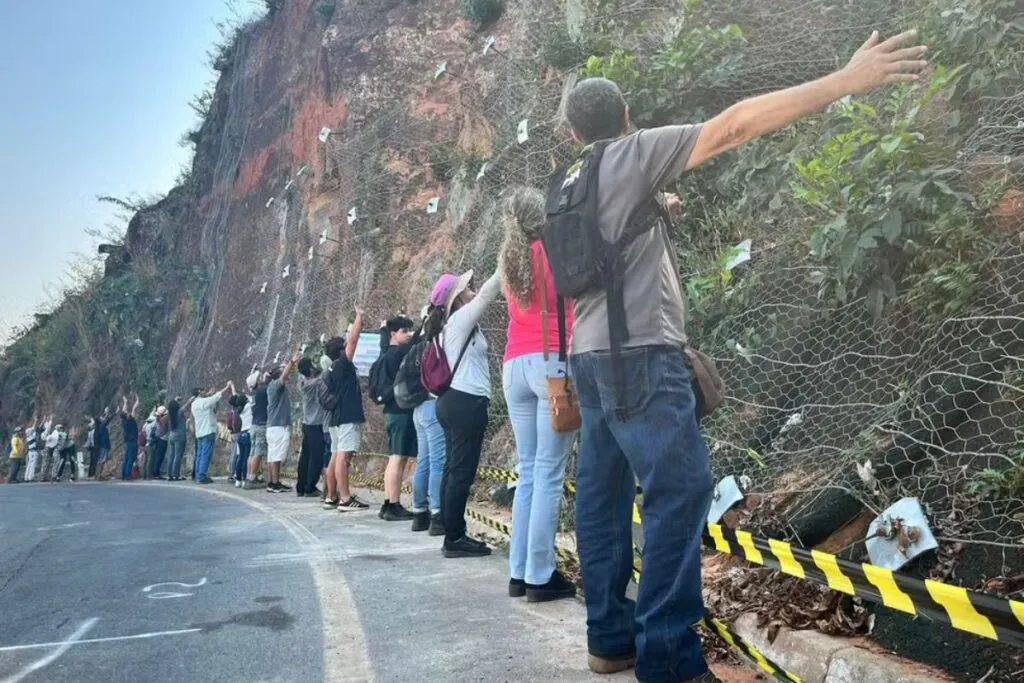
(257, 383)
(462, 409)
(17, 457)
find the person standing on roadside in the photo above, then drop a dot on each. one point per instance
(204, 412)
(647, 432)
(279, 422)
(176, 437)
(32, 446)
(17, 458)
(313, 418)
(50, 441)
(462, 409)
(101, 437)
(542, 452)
(130, 431)
(257, 384)
(243, 441)
(345, 420)
(396, 339)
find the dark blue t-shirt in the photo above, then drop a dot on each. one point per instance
(344, 382)
(260, 402)
(102, 436)
(131, 429)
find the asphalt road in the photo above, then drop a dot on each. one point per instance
(98, 563)
(102, 583)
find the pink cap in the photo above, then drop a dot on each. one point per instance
(442, 288)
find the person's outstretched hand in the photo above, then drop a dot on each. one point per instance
(878, 62)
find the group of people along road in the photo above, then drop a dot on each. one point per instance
(637, 404)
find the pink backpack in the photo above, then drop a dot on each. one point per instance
(435, 373)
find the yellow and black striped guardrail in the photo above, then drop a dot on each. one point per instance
(710, 623)
(983, 615)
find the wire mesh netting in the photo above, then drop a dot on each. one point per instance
(870, 332)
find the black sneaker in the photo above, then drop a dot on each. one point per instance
(464, 547)
(421, 520)
(272, 489)
(315, 492)
(250, 484)
(516, 588)
(352, 503)
(396, 512)
(556, 588)
(206, 480)
(281, 488)
(436, 525)
(383, 509)
(330, 504)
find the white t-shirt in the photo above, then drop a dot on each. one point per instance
(204, 412)
(246, 416)
(473, 376)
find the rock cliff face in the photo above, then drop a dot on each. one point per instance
(414, 105)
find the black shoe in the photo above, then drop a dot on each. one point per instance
(330, 504)
(281, 488)
(436, 525)
(396, 512)
(250, 484)
(465, 547)
(352, 503)
(516, 588)
(206, 480)
(556, 588)
(271, 488)
(315, 493)
(421, 521)
(383, 509)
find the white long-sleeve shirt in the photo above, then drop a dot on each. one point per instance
(473, 376)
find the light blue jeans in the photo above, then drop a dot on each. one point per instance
(542, 455)
(426, 481)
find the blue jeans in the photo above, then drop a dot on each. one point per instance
(661, 446)
(177, 448)
(204, 452)
(426, 481)
(131, 452)
(244, 449)
(542, 454)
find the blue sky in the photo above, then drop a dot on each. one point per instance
(95, 98)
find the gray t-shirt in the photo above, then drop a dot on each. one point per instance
(279, 406)
(312, 412)
(632, 169)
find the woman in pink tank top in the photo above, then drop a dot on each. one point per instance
(542, 452)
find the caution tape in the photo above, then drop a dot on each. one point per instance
(497, 474)
(965, 610)
(983, 615)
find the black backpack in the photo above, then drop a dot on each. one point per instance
(582, 260)
(377, 380)
(409, 389)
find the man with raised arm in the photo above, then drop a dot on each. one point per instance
(204, 412)
(646, 430)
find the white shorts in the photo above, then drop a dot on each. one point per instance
(345, 438)
(278, 441)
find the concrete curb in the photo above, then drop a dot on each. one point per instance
(819, 658)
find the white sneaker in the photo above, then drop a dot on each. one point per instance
(238, 484)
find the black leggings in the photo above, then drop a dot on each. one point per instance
(66, 458)
(464, 420)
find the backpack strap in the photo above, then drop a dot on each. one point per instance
(465, 345)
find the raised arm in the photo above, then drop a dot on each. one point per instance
(471, 313)
(874, 64)
(353, 335)
(135, 406)
(290, 365)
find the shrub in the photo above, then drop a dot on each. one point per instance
(482, 12)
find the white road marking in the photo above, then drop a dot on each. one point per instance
(62, 526)
(62, 647)
(112, 639)
(166, 595)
